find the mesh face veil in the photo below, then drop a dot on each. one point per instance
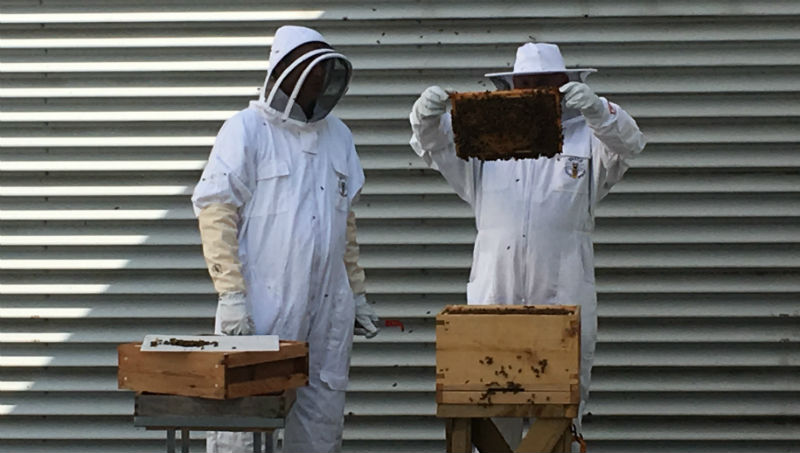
(327, 76)
(506, 81)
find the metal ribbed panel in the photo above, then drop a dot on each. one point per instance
(109, 109)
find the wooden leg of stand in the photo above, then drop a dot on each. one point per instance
(459, 435)
(487, 438)
(565, 444)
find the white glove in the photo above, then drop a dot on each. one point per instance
(366, 319)
(233, 316)
(431, 103)
(580, 96)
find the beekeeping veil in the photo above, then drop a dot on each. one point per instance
(335, 66)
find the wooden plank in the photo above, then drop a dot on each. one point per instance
(543, 435)
(465, 370)
(522, 348)
(207, 373)
(239, 424)
(176, 385)
(266, 370)
(487, 438)
(555, 387)
(511, 309)
(458, 432)
(268, 385)
(564, 444)
(507, 410)
(289, 350)
(284, 367)
(520, 333)
(130, 357)
(270, 406)
(189, 373)
(489, 398)
(526, 360)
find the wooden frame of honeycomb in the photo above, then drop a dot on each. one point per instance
(501, 125)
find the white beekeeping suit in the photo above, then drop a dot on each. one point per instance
(273, 205)
(535, 216)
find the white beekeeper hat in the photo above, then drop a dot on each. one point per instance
(537, 58)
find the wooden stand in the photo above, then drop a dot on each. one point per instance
(257, 414)
(466, 426)
(508, 361)
(242, 391)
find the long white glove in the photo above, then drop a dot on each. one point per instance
(366, 318)
(355, 273)
(431, 103)
(580, 96)
(234, 319)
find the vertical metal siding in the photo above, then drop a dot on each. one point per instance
(109, 109)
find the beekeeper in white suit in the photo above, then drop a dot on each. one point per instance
(535, 216)
(278, 234)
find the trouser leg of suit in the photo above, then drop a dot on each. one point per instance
(313, 425)
(228, 442)
(588, 342)
(315, 422)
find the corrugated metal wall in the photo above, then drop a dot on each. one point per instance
(109, 108)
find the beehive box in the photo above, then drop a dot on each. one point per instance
(213, 374)
(508, 354)
(517, 124)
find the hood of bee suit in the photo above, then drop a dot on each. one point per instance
(335, 67)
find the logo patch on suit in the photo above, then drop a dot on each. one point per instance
(342, 185)
(575, 167)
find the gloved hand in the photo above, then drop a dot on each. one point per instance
(234, 318)
(580, 96)
(366, 319)
(431, 103)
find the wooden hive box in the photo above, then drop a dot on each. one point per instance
(213, 374)
(509, 124)
(508, 354)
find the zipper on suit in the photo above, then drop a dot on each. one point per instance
(526, 227)
(590, 170)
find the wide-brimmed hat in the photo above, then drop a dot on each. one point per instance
(538, 58)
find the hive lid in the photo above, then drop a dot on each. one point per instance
(218, 343)
(509, 310)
